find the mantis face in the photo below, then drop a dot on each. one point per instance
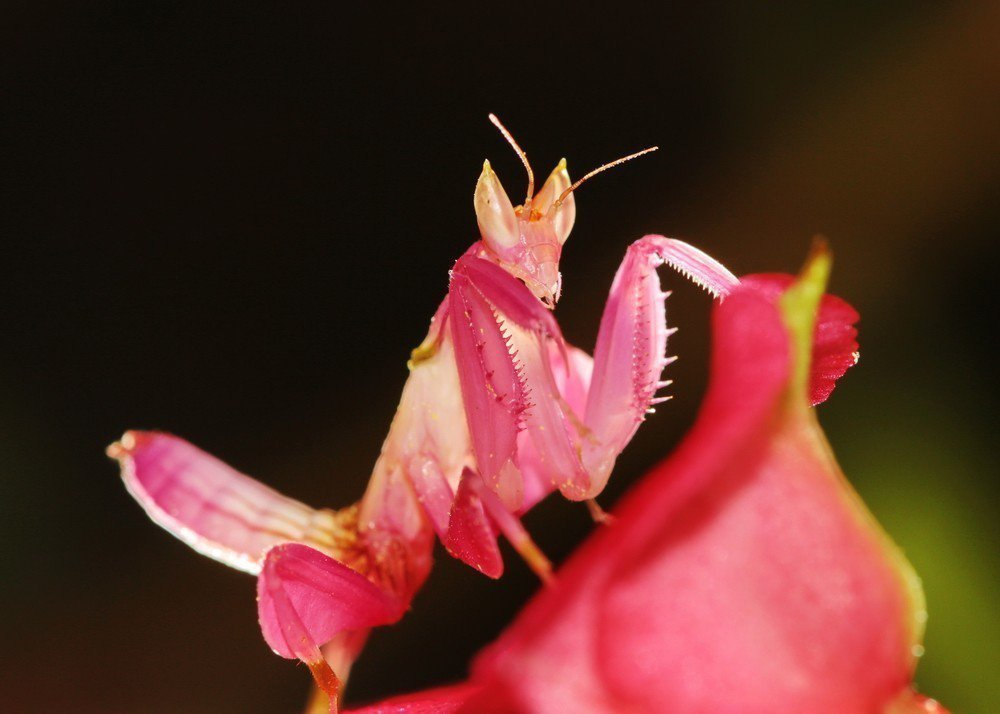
(527, 240)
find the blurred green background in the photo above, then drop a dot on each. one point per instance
(233, 221)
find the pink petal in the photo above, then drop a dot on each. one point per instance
(212, 507)
(909, 702)
(443, 700)
(835, 346)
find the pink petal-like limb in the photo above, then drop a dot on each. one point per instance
(471, 537)
(631, 349)
(212, 507)
(514, 531)
(509, 296)
(534, 337)
(433, 491)
(492, 386)
(571, 368)
(476, 516)
(306, 598)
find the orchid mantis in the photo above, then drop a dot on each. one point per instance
(498, 411)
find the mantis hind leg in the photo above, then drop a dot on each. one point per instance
(477, 517)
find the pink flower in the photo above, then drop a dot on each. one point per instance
(743, 574)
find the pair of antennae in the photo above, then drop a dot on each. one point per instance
(531, 175)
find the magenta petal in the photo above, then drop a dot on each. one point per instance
(471, 537)
(305, 598)
(212, 507)
(835, 346)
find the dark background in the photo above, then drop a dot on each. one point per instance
(233, 222)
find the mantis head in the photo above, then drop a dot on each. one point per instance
(527, 240)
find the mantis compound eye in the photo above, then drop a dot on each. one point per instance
(495, 213)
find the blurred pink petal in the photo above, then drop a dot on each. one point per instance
(443, 700)
(909, 702)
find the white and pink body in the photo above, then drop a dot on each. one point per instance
(498, 412)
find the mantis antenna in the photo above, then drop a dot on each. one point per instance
(599, 169)
(521, 155)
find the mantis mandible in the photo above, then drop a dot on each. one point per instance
(498, 411)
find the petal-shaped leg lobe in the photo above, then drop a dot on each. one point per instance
(556, 431)
(471, 536)
(492, 386)
(508, 295)
(515, 532)
(212, 507)
(571, 368)
(540, 349)
(433, 491)
(305, 598)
